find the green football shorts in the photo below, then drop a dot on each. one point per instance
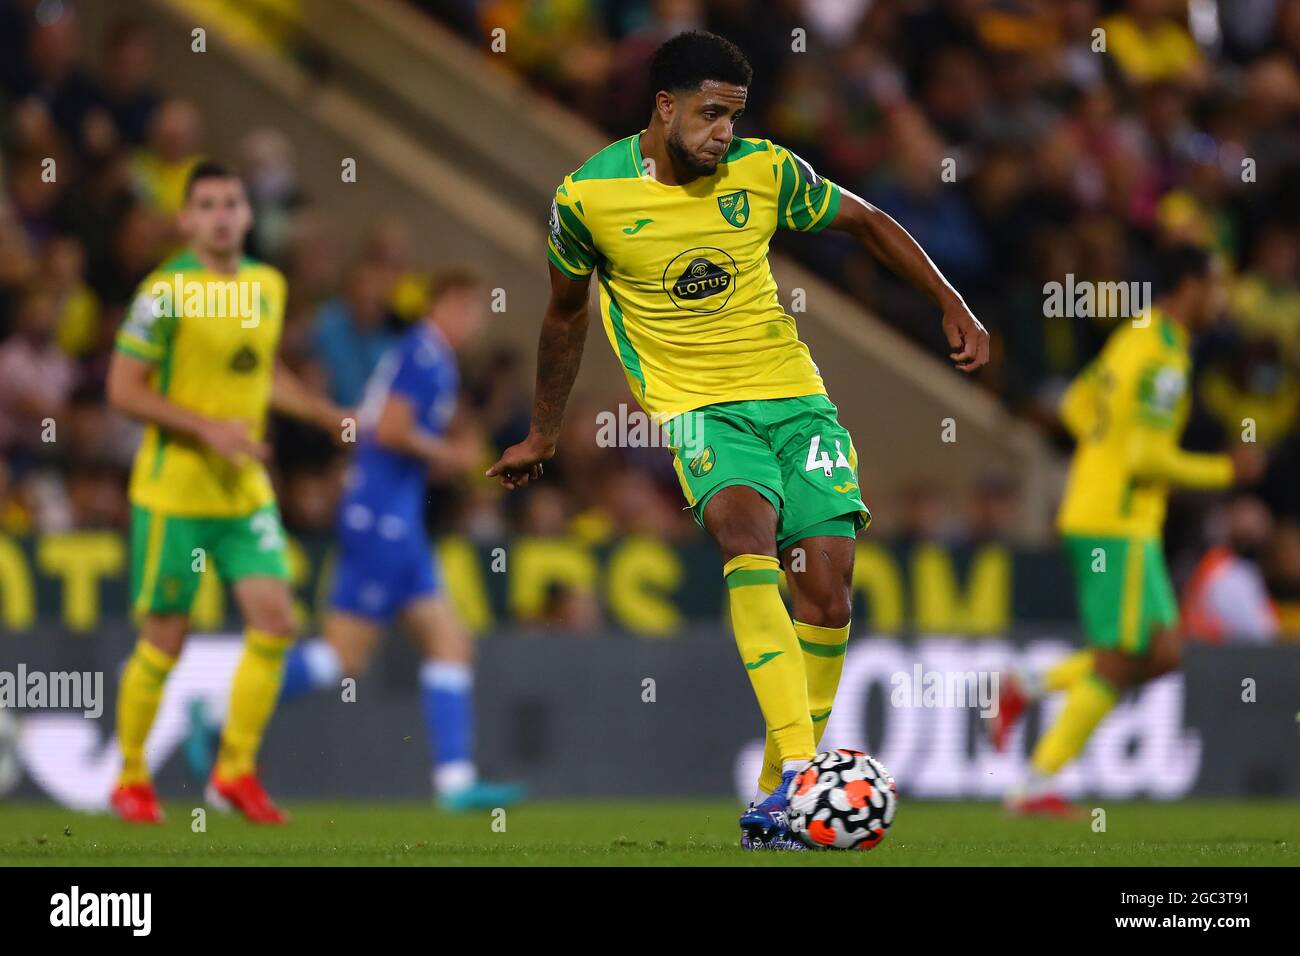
(792, 451)
(1124, 590)
(170, 552)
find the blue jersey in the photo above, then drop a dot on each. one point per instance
(385, 560)
(421, 368)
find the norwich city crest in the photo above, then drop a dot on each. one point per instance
(735, 208)
(702, 463)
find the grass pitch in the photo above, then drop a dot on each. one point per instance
(1227, 833)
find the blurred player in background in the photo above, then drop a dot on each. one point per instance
(678, 219)
(385, 568)
(1127, 411)
(196, 362)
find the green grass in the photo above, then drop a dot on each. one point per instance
(667, 833)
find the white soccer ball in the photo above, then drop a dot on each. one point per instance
(844, 800)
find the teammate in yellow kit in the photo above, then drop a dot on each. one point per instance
(676, 221)
(1126, 411)
(196, 362)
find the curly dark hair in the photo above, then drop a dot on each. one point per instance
(690, 58)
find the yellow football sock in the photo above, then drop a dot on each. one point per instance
(770, 651)
(823, 662)
(253, 694)
(1065, 673)
(1088, 701)
(138, 695)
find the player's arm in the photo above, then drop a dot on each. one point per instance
(398, 429)
(890, 243)
(130, 391)
(291, 396)
(1081, 403)
(1155, 458)
(559, 354)
(1153, 452)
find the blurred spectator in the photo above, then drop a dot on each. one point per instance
(1283, 572)
(992, 510)
(128, 80)
(1150, 45)
(160, 168)
(1226, 598)
(36, 378)
(1266, 297)
(353, 331)
(273, 190)
(63, 273)
(52, 74)
(95, 497)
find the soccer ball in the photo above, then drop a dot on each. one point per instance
(844, 800)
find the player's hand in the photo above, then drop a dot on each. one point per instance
(1248, 464)
(232, 441)
(522, 463)
(968, 338)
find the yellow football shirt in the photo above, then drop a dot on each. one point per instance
(213, 340)
(1127, 411)
(686, 294)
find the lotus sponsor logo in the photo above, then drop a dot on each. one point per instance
(701, 279)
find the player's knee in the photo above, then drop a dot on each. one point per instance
(165, 632)
(1167, 657)
(830, 608)
(1116, 668)
(835, 613)
(353, 661)
(744, 537)
(274, 620)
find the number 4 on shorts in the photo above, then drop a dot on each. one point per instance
(820, 459)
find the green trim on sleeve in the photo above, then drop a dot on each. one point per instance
(831, 211)
(139, 350)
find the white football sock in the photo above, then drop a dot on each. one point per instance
(324, 669)
(454, 776)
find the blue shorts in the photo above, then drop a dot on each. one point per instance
(384, 563)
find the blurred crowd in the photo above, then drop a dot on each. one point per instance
(93, 159)
(1063, 160)
(1020, 141)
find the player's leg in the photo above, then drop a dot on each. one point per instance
(344, 649)
(249, 552)
(1120, 596)
(446, 687)
(731, 479)
(447, 705)
(822, 514)
(819, 573)
(164, 581)
(366, 593)
(743, 523)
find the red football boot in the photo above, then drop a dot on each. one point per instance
(246, 795)
(1012, 701)
(1045, 805)
(136, 803)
